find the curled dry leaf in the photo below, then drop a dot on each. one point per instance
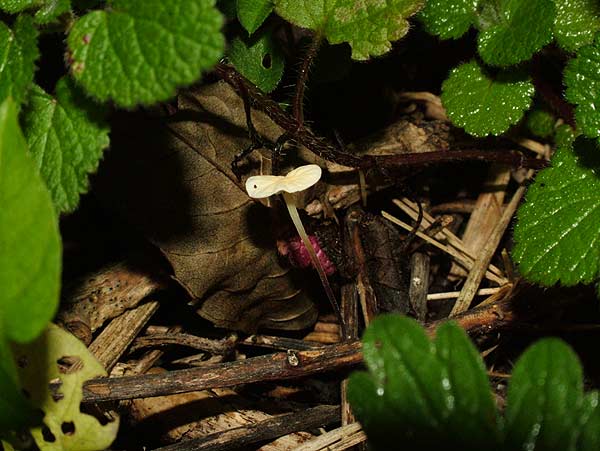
(170, 176)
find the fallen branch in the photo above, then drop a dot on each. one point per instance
(277, 366)
(264, 430)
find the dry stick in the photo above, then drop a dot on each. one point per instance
(106, 293)
(278, 366)
(487, 318)
(326, 150)
(366, 294)
(280, 343)
(485, 256)
(482, 319)
(223, 346)
(412, 210)
(461, 258)
(350, 302)
(419, 284)
(488, 210)
(341, 438)
(148, 359)
(112, 342)
(455, 294)
(278, 426)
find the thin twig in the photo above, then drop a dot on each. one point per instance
(459, 257)
(277, 426)
(222, 346)
(455, 294)
(412, 210)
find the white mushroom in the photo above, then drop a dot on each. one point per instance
(301, 178)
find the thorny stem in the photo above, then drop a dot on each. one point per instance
(321, 147)
(290, 201)
(311, 52)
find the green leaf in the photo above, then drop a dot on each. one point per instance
(418, 392)
(54, 368)
(252, 13)
(18, 53)
(368, 25)
(558, 227)
(66, 136)
(140, 51)
(589, 438)
(15, 6)
(541, 123)
(51, 10)
(545, 398)
(522, 28)
(47, 10)
(260, 61)
(483, 104)
(30, 253)
(448, 19)
(582, 79)
(576, 23)
(30, 256)
(15, 411)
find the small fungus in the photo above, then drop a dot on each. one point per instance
(301, 178)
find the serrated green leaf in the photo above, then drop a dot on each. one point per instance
(417, 392)
(15, 6)
(448, 19)
(576, 23)
(252, 13)
(66, 136)
(545, 398)
(30, 256)
(55, 367)
(540, 123)
(523, 27)
(369, 26)
(51, 10)
(140, 51)
(483, 104)
(47, 10)
(558, 227)
(260, 61)
(29, 240)
(18, 53)
(582, 79)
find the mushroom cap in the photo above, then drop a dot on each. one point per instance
(261, 186)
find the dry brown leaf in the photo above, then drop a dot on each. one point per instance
(170, 176)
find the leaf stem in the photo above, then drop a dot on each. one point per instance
(309, 56)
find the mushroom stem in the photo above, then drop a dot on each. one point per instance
(290, 201)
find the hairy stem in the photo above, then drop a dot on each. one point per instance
(321, 147)
(311, 52)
